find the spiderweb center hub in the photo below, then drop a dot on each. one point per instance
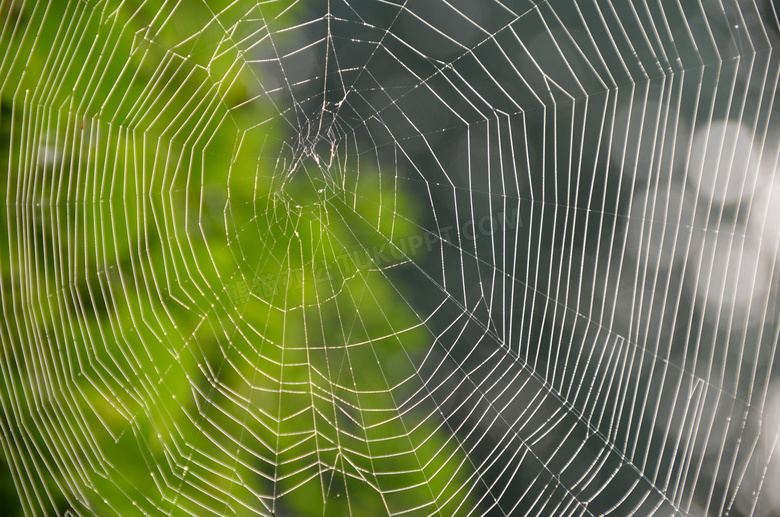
(312, 176)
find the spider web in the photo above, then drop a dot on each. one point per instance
(390, 257)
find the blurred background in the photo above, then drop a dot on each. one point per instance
(421, 258)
